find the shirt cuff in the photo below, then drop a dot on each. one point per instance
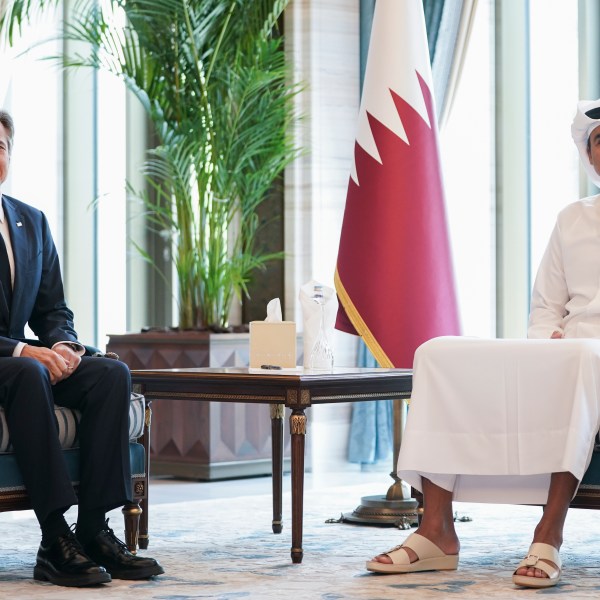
(19, 348)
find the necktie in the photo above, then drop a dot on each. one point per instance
(5, 279)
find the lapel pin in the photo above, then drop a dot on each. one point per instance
(19, 224)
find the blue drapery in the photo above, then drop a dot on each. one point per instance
(371, 429)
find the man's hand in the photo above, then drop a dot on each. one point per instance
(60, 362)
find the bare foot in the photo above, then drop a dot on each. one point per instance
(533, 572)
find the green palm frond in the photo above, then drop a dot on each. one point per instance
(18, 12)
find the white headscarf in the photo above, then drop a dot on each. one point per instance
(581, 128)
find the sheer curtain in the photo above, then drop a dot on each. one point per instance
(449, 25)
(448, 53)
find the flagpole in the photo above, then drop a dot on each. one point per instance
(394, 274)
(396, 507)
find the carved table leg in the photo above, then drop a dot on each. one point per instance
(277, 412)
(298, 431)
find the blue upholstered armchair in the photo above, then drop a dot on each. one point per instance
(12, 491)
(588, 494)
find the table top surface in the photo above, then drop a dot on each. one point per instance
(293, 386)
(246, 373)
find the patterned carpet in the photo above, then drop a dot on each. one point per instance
(224, 549)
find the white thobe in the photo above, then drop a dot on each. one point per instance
(491, 420)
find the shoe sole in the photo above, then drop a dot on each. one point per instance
(136, 573)
(535, 582)
(442, 563)
(43, 574)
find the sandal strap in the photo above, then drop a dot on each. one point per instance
(420, 545)
(539, 551)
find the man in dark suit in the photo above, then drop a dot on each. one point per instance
(53, 370)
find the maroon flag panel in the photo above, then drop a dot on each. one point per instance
(394, 273)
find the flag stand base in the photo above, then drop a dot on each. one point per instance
(377, 510)
(395, 508)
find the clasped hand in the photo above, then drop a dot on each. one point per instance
(61, 361)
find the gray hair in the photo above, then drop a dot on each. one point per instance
(7, 122)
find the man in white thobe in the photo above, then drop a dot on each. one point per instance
(565, 304)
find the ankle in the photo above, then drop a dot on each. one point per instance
(548, 535)
(89, 524)
(443, 536)
(53, 527)
(440, 528)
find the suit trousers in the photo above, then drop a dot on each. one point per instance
(101, 389)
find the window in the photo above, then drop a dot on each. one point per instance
(554, 96)
(112, 219)
(466, 143)
(547, 106)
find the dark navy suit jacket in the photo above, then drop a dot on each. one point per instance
(38, 293)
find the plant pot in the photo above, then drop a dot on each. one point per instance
(200, 440)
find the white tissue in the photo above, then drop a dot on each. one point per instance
(274, 311)
(311, 316)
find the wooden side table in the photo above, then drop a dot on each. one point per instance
(297, 389)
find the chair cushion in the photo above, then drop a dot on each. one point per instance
(11, 480)
(68, 424)
(591, 478)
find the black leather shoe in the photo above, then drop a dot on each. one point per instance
(65, 563)
(110, 552)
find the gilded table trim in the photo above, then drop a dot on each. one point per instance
(202, 396)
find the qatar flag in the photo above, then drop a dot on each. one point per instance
(394, 275)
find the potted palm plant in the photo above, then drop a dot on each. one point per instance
(212, 78)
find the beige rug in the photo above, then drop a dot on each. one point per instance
(224, 549)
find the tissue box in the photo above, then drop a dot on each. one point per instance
(272, 344)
